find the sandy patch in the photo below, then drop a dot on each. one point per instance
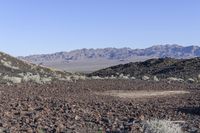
(141, 94)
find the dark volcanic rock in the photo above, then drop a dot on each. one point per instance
(67, 107)
(162, 68)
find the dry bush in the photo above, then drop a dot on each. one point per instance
(96, 77)
(78, 77)
(163, 126)
(191, 80)
(175, 79)
(122, 76)
(35, 78)
(155, 78)
(8, 64)
(14, 80)
(133, 78)
(145, 78)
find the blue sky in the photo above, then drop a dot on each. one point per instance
(46, 26)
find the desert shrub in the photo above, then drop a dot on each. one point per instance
(75, 77)
(46, 80)
(122, 76)
(82, 77)
(112, 77)
(163, 126)
(175, 79)
(125, 77)
(8, 64)
(78, 77)
(155, 78)
(68, 78)
(42, 70)
(14, 80)
(35, 78)
(57, 75)
(96, 77)
(145, 77)
(198, 77)
(191, 80)
(133, 78)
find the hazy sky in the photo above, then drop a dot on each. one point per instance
(46, 26)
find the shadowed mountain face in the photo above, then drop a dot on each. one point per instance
(162, 68)
(87, 60)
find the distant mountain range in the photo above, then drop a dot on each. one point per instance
(88, 60)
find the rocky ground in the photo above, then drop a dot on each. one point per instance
(71, 107)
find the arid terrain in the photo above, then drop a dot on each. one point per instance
(37, 99)
(99, 66)
(92, 106)
(162, 68)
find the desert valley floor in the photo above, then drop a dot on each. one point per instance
(98, 106)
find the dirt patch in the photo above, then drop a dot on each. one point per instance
(141, 94)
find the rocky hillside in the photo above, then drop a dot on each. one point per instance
(16, 71)
(162, 68)
(94, 59)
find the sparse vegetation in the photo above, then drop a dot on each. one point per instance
(96, 77)
(163, 126)
(191, 80)
(175, 79)
(155, 78)
(84, 108)
(13, 79)
(161, 68)
(87, 100)
(145, 77)
(8, 64)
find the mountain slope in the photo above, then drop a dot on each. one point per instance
(93, 59)
(162, 68)
(17, 71)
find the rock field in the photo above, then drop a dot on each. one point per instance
(77, 107)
